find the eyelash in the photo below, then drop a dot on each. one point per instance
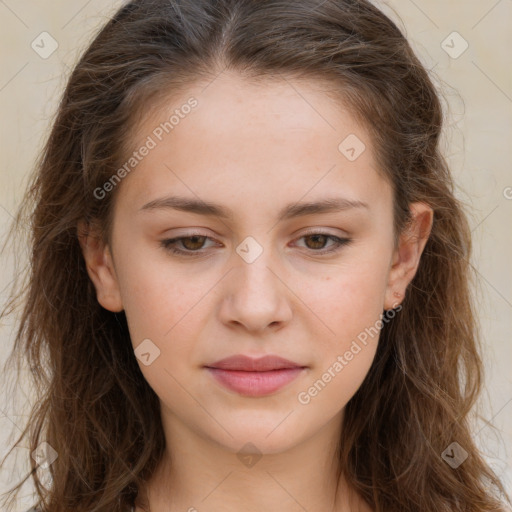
(169, 244)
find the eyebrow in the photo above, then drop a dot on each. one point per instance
(290, 211)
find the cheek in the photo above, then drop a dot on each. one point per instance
(351, 308)
(158, 300)
(349, 300)
(162, 309)
(332, 386)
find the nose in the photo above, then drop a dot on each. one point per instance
(256, 297)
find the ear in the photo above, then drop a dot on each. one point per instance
(406, 256)
(99, 264)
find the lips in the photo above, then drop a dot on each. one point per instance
(250, 364)
(254, 377)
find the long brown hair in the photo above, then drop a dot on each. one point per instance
(94, 407)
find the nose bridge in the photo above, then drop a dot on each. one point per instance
(256, 296)
(254, 277)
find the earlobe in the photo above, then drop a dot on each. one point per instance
(406, 257)
(99, 264)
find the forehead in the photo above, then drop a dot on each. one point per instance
(276, 139)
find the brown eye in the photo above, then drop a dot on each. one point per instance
(316, 242)
(196, 242)
(319, 240)
(191, 245)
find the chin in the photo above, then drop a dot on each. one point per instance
(255, 432)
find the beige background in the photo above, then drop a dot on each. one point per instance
(477, 85)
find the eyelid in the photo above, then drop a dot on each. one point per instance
(339, 242)
(322, 231)
(309, 231)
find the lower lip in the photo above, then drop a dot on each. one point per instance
(255, 383)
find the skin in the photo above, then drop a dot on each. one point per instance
(253, 148)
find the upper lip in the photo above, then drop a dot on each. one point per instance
(251, 364)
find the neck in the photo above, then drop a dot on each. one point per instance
(198, 474)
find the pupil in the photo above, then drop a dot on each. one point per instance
(194, 240)
(317, 237)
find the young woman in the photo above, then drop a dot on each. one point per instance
(249, 282)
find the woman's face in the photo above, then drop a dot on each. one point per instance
(268, 278)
